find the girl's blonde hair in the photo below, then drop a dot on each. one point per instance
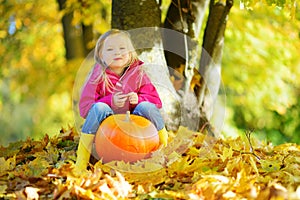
(98, 52)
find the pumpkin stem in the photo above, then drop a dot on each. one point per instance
(127, 119)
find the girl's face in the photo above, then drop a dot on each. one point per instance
(115, 52)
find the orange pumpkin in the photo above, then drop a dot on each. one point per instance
(126, 137)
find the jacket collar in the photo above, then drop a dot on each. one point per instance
(137, 63)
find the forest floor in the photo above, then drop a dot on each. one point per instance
(192, 166)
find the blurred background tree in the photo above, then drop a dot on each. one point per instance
(261, 70)
(32, 100)
(261, 66)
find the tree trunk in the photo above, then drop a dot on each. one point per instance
(186, 17)
(72, 35)
(176, 19)
(88, 36)
(210, 63)
(182, 51)
(142, 19)
(128, 14)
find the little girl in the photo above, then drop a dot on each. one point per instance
(117, 84)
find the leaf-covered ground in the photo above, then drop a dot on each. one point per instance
(192, 166)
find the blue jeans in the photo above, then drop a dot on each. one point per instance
(99, 111)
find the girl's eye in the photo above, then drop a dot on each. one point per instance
(110, 49)
(122, 48)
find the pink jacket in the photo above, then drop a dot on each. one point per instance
(133, 80)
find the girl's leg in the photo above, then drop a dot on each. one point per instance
(96, 115)
(150, 112)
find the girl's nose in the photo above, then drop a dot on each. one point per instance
(117, 52)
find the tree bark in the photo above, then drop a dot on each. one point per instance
(128, 14)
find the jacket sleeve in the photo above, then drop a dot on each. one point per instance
(148, 92)
(87, 98)
(92, 93)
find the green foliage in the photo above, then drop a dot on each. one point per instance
(290, 6)
(32, 56)
(261, 66)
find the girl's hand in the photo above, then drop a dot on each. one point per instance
(119, 99)
(133, 98)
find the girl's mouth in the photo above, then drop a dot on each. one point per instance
(117, 58)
